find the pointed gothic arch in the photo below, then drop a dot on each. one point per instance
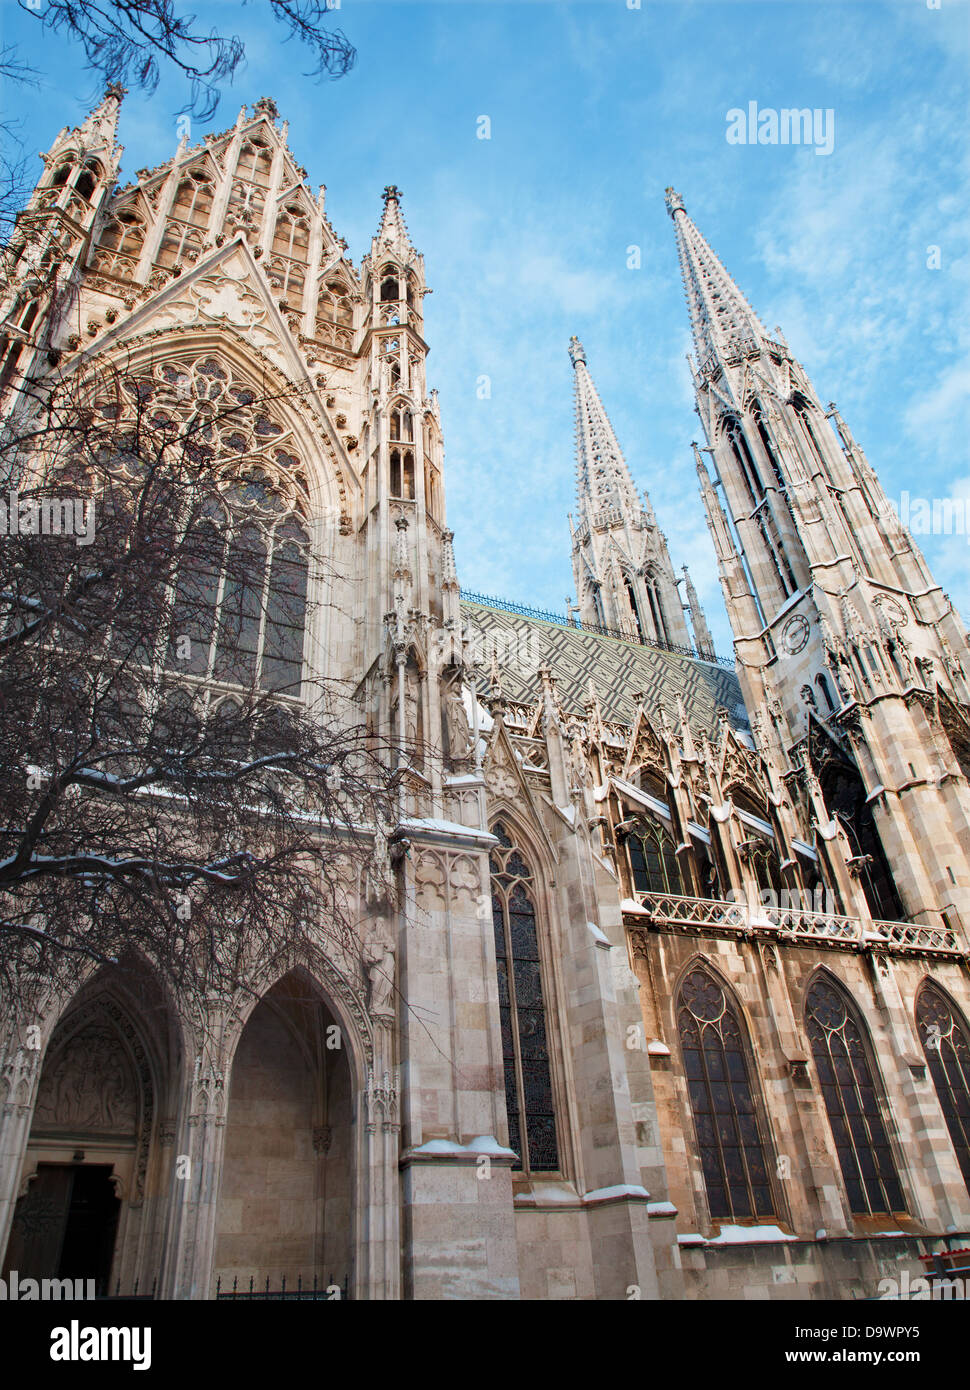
(96, 1167)
(524, 1008)
(945, 1036)
(290, 1188)
(727, 1108)
(854, 1097)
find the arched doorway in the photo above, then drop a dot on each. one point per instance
(286, 1199)
(87, 1156)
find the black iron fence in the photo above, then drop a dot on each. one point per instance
(298, 1290)
(637, 639)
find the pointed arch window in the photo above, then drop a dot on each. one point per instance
(121, 245)
(390, 286)
(185, 228)
(653, 861)
(402, 474)
(733, 1153)
(946, 1043)
(742, 454)
(525, 1047)
(852, 1102)
(255, 163)
(633, 604)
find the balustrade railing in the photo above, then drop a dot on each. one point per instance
(800, 923)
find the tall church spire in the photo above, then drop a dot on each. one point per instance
(719, 313)
(624, 578)
(602, 478)
(838, 624)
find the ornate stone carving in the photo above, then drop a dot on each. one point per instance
(90, 1085)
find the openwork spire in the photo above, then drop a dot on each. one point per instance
(393, 229)
(101, 125)
(722, 320)
(603, 482)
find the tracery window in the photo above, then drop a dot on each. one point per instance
(733, 1154)
(86, 181)
(290, 243)
(525, 1047)
(944, 1036)
(189, 217)
(742, 454)
(255, 163)
(120, 245)
(243, 608)
(334, 315)
(653, 861)
(852, 1102)
(766, 444)
(401, 426)
(390, 288)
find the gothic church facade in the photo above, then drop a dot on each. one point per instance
(662, 988)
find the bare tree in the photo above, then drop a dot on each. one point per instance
(165, 781)
(15, 182)
(128, 41)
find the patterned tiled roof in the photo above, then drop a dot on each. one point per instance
(618, 669)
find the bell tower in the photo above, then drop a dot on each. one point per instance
(851, 657)
(624, 578)
(49, 245)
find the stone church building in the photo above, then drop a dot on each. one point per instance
(670, 998)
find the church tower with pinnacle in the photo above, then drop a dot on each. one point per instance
(853, 662)
(622, 571)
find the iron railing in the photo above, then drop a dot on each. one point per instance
(298, 1291)
(636, 639)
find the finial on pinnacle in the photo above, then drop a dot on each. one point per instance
(391, 190)
(674, 201)
(577, 352)
(266, 106)
(116, 90)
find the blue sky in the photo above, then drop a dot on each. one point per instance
(594, 108)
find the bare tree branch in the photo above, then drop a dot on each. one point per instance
(128, 41)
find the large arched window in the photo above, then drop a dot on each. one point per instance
(943, 1034)
(239, 606)
(653, 862)
(852, 1102)
(732, 1151)
(245, 617)
(525, 1047)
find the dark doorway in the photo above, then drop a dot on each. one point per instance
(65, 1224)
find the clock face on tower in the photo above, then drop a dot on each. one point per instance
(794, 634)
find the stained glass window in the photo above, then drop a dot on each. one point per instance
(525, 1048)
(944, 1037)
(853, 1103)
(653, 861)
(732, 1153)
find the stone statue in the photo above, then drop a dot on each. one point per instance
(456, 723)
(377, 956)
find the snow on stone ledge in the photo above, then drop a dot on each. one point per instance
(615, 1194)
(481, 1144)
(661, 1209)
(599, 937)
(738, 1235)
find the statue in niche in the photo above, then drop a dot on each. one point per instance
(377, 956)
(456, 723)
(378, 878)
